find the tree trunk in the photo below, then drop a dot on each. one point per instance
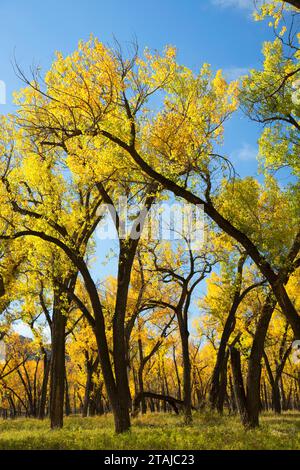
(141, 373)
(238, 386)
(222, 385)
(216, 385)
(233, 404)
(283, 396)
(123, 398)
(177, 374)
(276, 399)
(173, 402)
(67, 396)
(141, 390)
(88, 386)
(61, 305)
(97, 399)
(266, 401)
(118, 399)
(254, 364)
(187, 386)
(57, 375)
(43, 400)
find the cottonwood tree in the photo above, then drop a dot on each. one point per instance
(268, 96)
(175, 147)
(276, 210)
(42, 201)
(181, 268)
(224, 297)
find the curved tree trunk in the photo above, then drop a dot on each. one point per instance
(173, 402)
(276, 282)
(254, 364)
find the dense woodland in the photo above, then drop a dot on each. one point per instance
(181, 327)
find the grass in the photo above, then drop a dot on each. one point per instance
(153, 432)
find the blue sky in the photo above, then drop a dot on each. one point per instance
(220, 32)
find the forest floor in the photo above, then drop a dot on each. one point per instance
(153, 432)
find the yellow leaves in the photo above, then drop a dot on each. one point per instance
(184, 131)
(155, 70)
(269, 97)
(219, 84)
(94, 92)
(293, 289)
(87, 78)
(273, 9)
(283, 31)
(170, 52)
(264, 212)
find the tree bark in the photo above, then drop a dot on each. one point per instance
(228, 329)
(91, 367)
(57, 373)
(187, 385)
(141, 374)
(44, 390)
(177, 374)
(238, 386)
(223, 385)
(68, 410)
(157, 396)
(254, 363)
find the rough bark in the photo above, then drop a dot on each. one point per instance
(215, 388)
(238, 385)
(177, 374)
(254, 363)
(44, 390)
(187, 385)
(57, 373)
(68, 409)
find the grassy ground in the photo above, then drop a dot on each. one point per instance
(153, 432)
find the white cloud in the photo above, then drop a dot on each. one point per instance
(232, 3)
(245, 153)
(233, 73)
(242, 4)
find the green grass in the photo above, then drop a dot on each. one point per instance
(153, 432)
